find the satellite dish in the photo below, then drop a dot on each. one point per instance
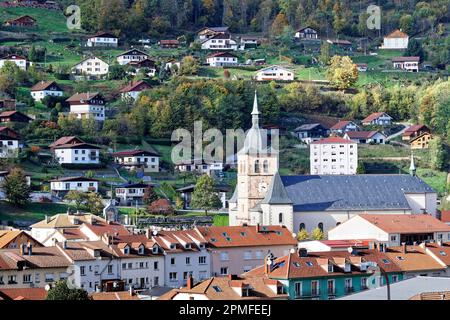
(269, 262)
(350, 250)
(47, 287)
(155, 233)
(294, 235)
(292, 251)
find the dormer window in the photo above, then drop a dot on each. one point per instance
(187, 246)
(155, 250)
(141, 249)
(202, 246)
(126, 250)
(330, 268)
(172, 247)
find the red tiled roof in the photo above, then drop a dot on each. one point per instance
(222, 54)
(13, 57)
(414, 128)
(397, 34)
(445, 216)
(340, 125)
(43, 85)
(169, 42)
(333, 140)
(66, 140)
(401, 59)
(406, 223)
(134, 86)
(23, 294)
(361, 134)
(83, 96)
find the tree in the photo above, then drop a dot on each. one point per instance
(317, 234)
(302, 235)
(325, 53)
(16, 187)
(32, 55)
(278, 25)
(437, 153)
(406, 23)
(150, 196)
(94, 203)
(361, 168)
(62, 292)
(342, 72)
(415, 49)
(189, 66)
(205, 196)
(77, 197)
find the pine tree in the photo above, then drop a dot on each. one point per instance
(16, 187)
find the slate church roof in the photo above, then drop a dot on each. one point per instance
(355, 192)
(277, 192)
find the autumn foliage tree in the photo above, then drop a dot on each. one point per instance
(16, 187)
(342, 72)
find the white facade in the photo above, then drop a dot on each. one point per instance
(91, 67)
(377, 138)
(83, 186)
(333, 158)
(179, 266)
(219, 61)
(9, 148)
(412, 66)
(77, 155)
(144, 272)
(20, 62)
(204, 168)
(99, 41)
(131, 56)
(88, 111)
(395, 43)
(148, 163)
(40, 95)
(219, 44)
(275, 73)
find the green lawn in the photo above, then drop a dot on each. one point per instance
(48, 21)
(221, 220)
(30, 212)
(435, 179)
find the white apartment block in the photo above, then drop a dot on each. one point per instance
(396, 40)
(274, 73)
(220, 42)
(333, 156)
(92, 66)
(82, 153)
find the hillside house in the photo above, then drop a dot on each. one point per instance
(306, 33)
(130, 194)
(103, 39)
(200, 167)
(342, 44)
(410, 64)
(19, 61)
(92, 66)
(366, 137)
(333, 156)
(134, 89)
(274, 73)
(43, 89)
(311, 132)
(72, 150)
(209, 32)
(9, 143)
(138, 159)
(23, 21)
(169, 44)
(396, 40)
(60, 187)
(7, 104)
(88, 105)
(133, 55)
(187, 191)
(222, 59)
(415, 131)
(344, 126)
(221, 41)
(378, 119)
(421, 142)
(148, 65)
(14, 116)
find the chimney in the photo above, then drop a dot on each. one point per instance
(404, 248)
(257, 228)
(30, 249)
(23, 249)
(190, 283)
(302, 252)
(65, 244)
(148, 233)
(47, 219)
(131, 291)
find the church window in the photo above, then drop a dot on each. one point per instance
(302, 227)
(280, 218)
(256, 166)
(266, 166)
(320, 226)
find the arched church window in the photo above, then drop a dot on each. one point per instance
(302, 227)
(266, 166)
(256, 169)
(320, 226)
(280, 218)
(338, 224)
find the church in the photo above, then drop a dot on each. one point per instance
(264, 197)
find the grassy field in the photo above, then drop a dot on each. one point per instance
(48, 21)
(30, 212)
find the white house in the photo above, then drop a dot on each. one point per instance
(406, 63)
(148, 161)
(200, 167)
(103, 39)
(134, 89)
(130, 194)
(306, 33)
(222, 59)
(333, 155)
(91, 66)
(19, 61)
(71, 150)
(378, 119)
(221, 41)
(45, 88)
(88, 105)
(209, 32)
(366, 137)
(392, 230)
(147, 64)
(9, 143)
(275, 73)
(395, 40)
(344, 126)
(133, 55)
(63, 185)
(185, 255)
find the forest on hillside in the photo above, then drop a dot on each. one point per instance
(330, 17)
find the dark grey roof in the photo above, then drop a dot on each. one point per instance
(234, 198)
(352, 192)
(309, 126)
(277, 192)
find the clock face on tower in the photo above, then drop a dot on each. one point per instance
(262, 187)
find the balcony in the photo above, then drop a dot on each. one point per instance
(349, 289)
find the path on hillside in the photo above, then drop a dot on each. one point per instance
(395, 135)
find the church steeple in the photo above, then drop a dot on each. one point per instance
(255, 112)
(412, 167)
